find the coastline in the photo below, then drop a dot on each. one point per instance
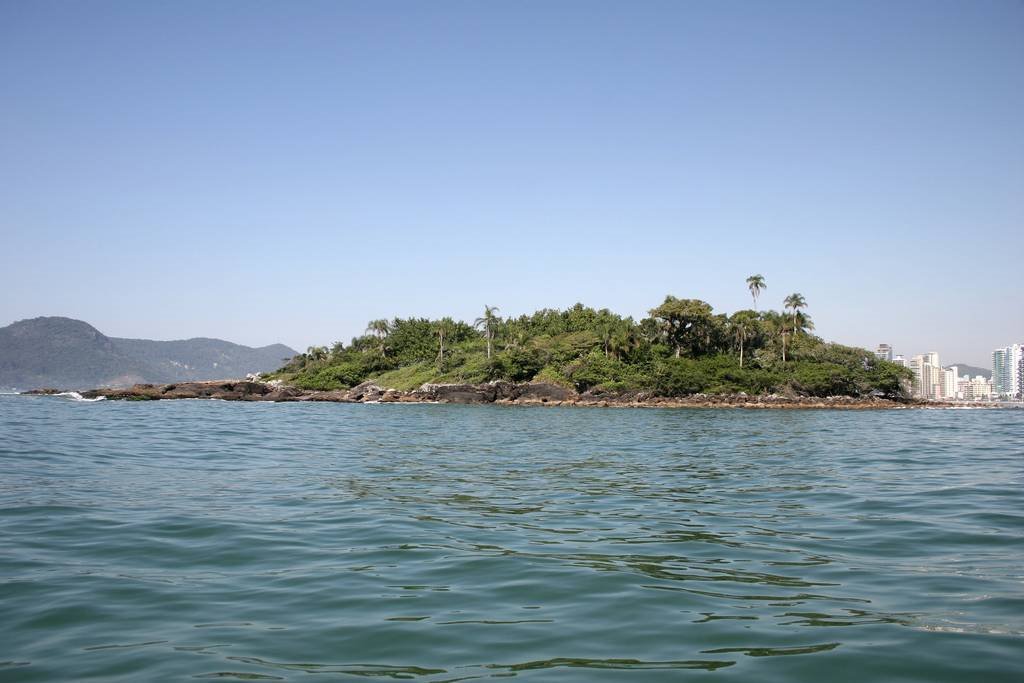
(495, 393)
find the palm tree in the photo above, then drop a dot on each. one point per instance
(380, 329)
(606, 331)
(488, 322)
(756, 285)
(776, 324)
(743, 325)
(624, 341)
(443, 328)
(803, 323)
(795, 302)
(316, 353)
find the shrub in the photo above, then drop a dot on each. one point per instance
(340, 376)
(823, 379)
(680, 377)
(517, 365)
(597, 370)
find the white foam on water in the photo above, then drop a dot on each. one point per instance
(75, 396)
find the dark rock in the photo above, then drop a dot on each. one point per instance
(461, 393)
(544, 392)
(365, 392)
(505, 392)
(282, 394)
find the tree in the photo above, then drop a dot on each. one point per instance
(316, 353)
(756, 285)
(795, 302)
(488, 322)
(686, 323)
(625, 341)
(380, 329)
(743, 324)
(606, 330)
(802, 323)
(775, 325)
(443, 328)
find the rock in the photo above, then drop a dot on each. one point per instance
(283, 394)
(544, 392)
(534, 393)
(504, 390)
(461, 393)
(326, 397)
(365, 392)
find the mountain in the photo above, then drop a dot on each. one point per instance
(71, 354)
(972, 370)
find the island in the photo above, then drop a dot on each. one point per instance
(681, 354)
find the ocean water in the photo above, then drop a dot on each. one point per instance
(182, 540)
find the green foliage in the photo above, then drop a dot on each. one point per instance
(688, 325)
(553, 376)
(340, 376)
(600, 371)
(824, 379)
(720, 374)
(891, 380)
(516, 364)
(680, 377)
(683, 348)
(408, 377)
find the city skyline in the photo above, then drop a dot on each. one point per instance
(935, 380)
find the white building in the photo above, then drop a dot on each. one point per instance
(950, 380)
(1006, 371)
(928, 379)
(884, 352)
(1020, 377)
(976, 389)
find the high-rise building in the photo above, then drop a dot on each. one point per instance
(1000, 363)
(900, 360)
(1006, 370)
(1020, 377)
(963, 387)
(977, 388)
(1015, 357)
(928, 378)
(884, 352)
(950, 380)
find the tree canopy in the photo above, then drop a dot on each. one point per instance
(682, 347)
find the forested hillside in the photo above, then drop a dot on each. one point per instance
(683, 347)
(72, 354)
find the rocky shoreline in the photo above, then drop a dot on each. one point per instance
(500, 393)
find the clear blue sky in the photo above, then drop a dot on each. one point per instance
(281, 171)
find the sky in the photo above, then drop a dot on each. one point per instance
(284, 172)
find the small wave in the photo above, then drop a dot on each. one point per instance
(982, 406)
(75, 396)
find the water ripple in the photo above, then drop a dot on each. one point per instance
(446, 543)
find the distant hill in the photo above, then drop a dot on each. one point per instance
(972, 370)
(71, 354)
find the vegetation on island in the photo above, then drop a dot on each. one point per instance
(683, 347)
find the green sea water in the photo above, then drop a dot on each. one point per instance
(184, 540)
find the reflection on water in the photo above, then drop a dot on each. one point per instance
(446, 543)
